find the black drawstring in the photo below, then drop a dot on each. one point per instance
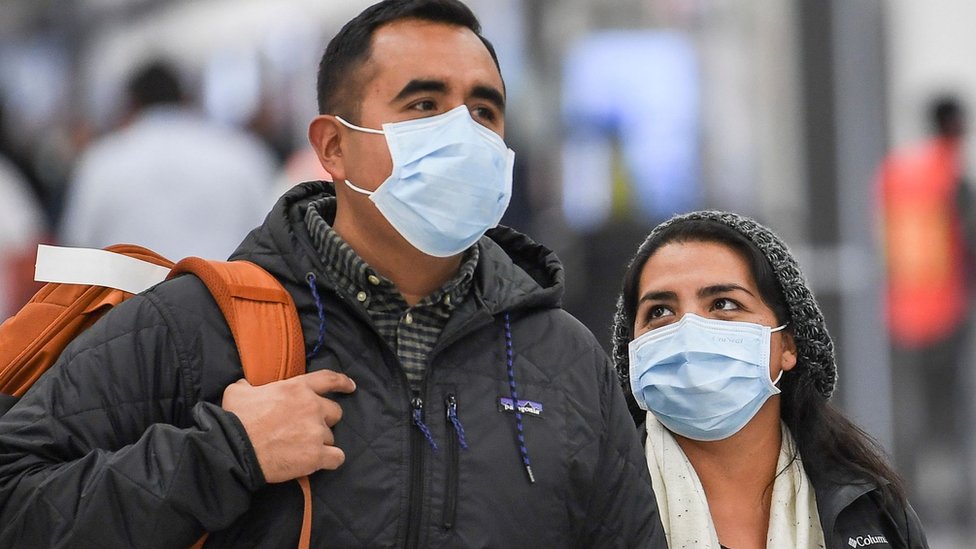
(310, 278)
(523, 450)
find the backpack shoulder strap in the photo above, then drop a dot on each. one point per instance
(261, 315)
(265, 325)
(83, 284)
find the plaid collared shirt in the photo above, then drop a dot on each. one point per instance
(410, 331)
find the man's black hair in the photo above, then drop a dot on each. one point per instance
(155, 83)
(337, 85)
(947, 116)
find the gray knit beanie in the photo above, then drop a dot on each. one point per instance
(815, 350)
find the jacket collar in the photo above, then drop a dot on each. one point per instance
(513, 272)
(836, 494)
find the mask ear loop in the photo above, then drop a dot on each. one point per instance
(352, 126)
(780, 376)
(357, 189)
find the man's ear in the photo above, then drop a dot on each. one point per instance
(326, 140)
(788, 356)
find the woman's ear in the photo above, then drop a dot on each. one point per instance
(788, 351)
(326, 140)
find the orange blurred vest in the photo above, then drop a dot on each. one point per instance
(924, 243)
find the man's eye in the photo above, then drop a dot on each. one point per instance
(484, 113)
(424, 106)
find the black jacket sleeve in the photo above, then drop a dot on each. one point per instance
(913, 530)
(112, 447)
(623, 510)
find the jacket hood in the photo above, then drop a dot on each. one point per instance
(513, 273)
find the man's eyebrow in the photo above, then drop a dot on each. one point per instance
(420, 85)
(721, 289)
(490, 93)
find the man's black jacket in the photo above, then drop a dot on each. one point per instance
(124, 444)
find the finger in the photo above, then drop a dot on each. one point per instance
(331, 458)
(232, 389)
(331, 412)
(328, 438)
(327, 381)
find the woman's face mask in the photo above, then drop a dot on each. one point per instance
(703, 379)
(703, 354)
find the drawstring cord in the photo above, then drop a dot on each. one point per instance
(417, 403)
(455, 421)
(452, 409)
(310, 278)
(523, 450)
(418, 420)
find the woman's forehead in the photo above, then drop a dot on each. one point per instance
(692, 263)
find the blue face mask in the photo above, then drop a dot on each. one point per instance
(451, 181)
(703, 379)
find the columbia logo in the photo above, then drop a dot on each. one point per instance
(866, 541)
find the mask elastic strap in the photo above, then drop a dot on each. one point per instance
(780, 376)
(361, 129)
(357, 189)
(357, 128)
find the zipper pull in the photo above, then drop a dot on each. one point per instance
(453, 418)
(418, 419)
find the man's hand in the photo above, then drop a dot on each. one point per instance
(290, 423)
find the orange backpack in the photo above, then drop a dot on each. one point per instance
(259, 311)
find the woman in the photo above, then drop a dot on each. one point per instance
(719, 338)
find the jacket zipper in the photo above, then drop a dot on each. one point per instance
(450, 498)
(417, 442)
(417, 439)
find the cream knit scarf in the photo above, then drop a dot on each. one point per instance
(793, 517)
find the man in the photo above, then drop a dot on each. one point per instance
(476, 413)
(23, 226)
(925, 205)
(21, 229)
(168, 151)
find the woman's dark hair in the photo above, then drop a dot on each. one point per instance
(338, 88)
(831, 446)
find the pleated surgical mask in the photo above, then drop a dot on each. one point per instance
(451, 180)
(703, 379)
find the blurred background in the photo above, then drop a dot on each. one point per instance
(839, 123)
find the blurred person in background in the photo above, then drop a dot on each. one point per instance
(725, 355)
(19, 162)
(22, 228)
(475, 411)
(156, 181)
(926, 213)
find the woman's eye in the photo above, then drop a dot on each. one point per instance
(658, 311)
(724, 304)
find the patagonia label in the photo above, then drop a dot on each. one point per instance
(506, 404)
